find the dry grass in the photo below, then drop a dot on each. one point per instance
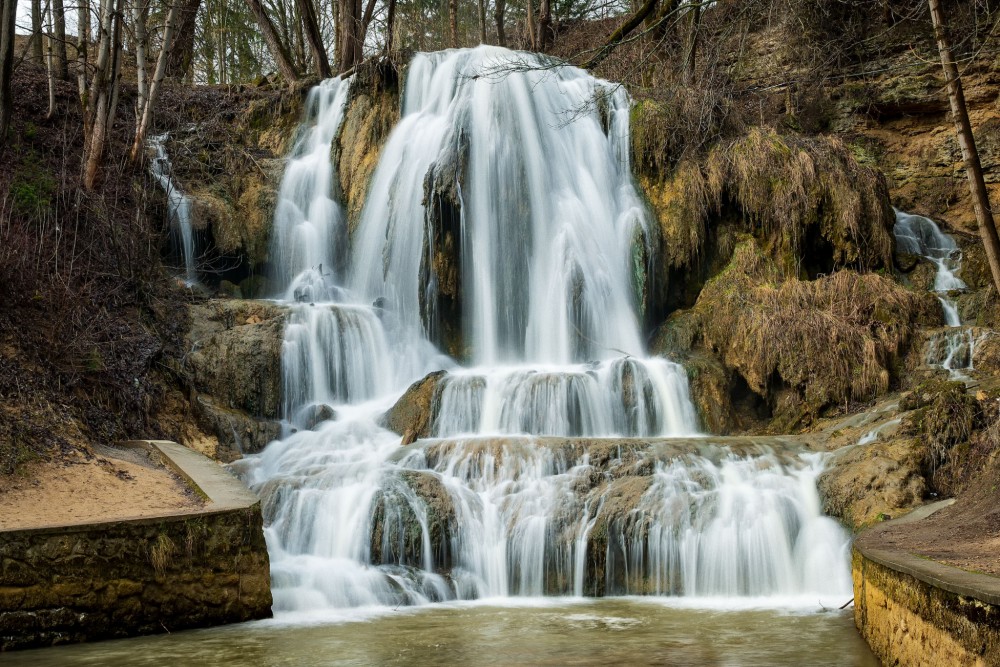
(832, 340)
(809, 201)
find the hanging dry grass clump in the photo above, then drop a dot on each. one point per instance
(806, 198)
(832, 340)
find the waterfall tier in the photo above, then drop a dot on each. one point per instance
(503, 211)
(370, 524)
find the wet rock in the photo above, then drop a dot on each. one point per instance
(412, 415)
(317, 414)
(864, 482)
(906, 262)
(235, 354)
(372, 112)
(237, 432)
(234, 369)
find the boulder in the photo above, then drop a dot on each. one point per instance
(235, 354)
(413, 413)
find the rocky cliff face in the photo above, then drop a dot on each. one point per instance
(234, 369)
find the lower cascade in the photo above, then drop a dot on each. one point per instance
(561, 459)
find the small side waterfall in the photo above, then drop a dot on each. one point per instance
(178, 207)
(952, 350)
(548, 471)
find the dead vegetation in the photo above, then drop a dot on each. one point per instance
(831, 341)
(815, 208)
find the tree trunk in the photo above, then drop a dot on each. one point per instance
(694, 27)
(154, 88)
(99, 96)
(499, 10)
(390, 27)
(482, 21)
(544, 24)
(182, 52)
(36, 30)
(314, 37)
(453, 22)
(278, 51)
(59, 25)
(353, 39)
(82, 43)
(621, 33)
(966, 140)
(529, 24)
(140, 13)
(116, 67)
(50, 71)
(8, 12)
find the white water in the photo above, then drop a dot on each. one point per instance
(952, 350)
(178, 207)
(547, 225)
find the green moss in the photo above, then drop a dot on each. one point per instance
(32, 188)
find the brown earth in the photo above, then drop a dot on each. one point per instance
(79, 489)
(965, 535)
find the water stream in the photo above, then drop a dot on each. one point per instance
(952, 349)
(178, 208)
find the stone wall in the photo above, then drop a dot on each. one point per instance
(917, 612)
(84, 582)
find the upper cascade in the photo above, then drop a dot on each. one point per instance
(529, 165)
(310, 234)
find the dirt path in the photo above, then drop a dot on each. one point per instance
(114, 484)
(965, 535)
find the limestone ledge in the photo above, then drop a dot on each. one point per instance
(65, 584)
(914, 611)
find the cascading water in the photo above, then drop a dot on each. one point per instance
(528, 173)
(954, 349)
(178, 207)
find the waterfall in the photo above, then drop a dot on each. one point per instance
(954, 349)
(178, 207)
(502, 206)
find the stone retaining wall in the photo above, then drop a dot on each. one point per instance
(139, 576)
(912, 611)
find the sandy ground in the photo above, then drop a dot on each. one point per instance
(101, 488)
(965, 535)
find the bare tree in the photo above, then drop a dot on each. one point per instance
(453, 21)
(102, 91)
(967, 142)
(529, 24)
(182, 52)
(146, 112)
(50, 68)
(36, 30)
(140, 16)
(8, 11)
(499, 10)
(390, 26)
(82, 42)
(59, 29)
(482, 21)
(307, 15)
(279, 51)
(691, 51)
(543, 41)
(351, 38)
